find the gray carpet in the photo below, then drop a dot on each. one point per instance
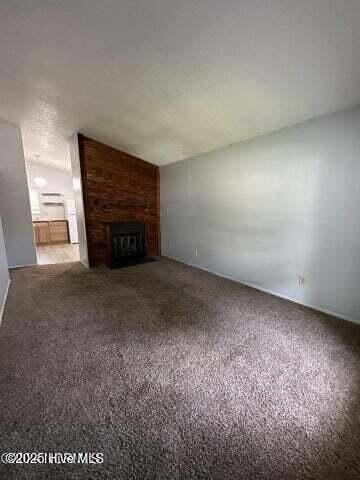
(174, 373)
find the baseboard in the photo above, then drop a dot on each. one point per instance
(12, 267)
(84, 263)
(270, 292)
(4, 301)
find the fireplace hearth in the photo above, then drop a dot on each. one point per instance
(126, 244)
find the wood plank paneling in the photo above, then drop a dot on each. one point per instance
(117, 187)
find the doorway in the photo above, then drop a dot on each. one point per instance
(53, 213)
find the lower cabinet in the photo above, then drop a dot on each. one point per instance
(42, 233)
(48, 233)
(59, 232)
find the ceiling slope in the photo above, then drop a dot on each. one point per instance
(166, 80)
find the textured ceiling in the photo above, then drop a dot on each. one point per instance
(167, 79)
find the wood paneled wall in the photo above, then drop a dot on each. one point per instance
(117, 187)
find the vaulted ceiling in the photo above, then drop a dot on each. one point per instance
(167, 79)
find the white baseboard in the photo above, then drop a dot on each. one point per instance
(12, 267)
(4, 301)
(271, 292)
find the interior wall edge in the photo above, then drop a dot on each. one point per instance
(2, 309)
(14, 198)
(73, 144)
(86, 264)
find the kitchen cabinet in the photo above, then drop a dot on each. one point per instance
(52, 232)
(41, 232)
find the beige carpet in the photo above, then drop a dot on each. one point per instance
(173, 373)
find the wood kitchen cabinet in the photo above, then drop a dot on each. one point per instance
(59, 232)
(41, 232)
(49, 233)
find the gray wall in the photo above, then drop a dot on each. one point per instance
(274, 208)
(4, 274)
(78, 195)
(14, 198)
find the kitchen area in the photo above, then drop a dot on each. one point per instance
(53, 213)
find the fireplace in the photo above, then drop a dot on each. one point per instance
(126, 243)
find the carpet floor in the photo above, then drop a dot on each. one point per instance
(174, 373)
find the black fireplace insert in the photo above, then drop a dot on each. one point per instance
(126, 243)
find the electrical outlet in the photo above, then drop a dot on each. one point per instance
(301, 280)
(196, 252)
(169, 245)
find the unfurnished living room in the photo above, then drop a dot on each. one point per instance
(180, 239)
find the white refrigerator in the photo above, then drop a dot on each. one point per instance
(71, 218)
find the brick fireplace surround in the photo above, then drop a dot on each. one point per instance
(117, 187)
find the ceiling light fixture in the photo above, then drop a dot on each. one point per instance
(38, 180)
